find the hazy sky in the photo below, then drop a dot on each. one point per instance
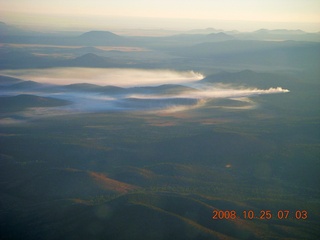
(174, 14)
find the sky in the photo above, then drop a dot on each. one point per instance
(170, 14)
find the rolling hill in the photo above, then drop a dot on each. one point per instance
(89, 60)
(6, 80)
(23, 101)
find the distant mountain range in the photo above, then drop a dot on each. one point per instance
(22, 60)
(219, 37)
(197, 38)
(96, 38)
(255, 53)
(248, 53)
(280, 35)
(11, 34)
(273, 48)
(10, 84)
(280, 31)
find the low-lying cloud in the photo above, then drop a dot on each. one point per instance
(216, 92)
(93, 102)
(190, 94)
(122, 77)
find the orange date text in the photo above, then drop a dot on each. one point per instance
(262, 214)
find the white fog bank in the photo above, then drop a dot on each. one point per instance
(191, 94)
(125, 77)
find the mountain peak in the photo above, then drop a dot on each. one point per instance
(89, 56)
(219, 36)
(95, 38)
(99, 34)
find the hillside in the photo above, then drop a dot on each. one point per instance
(102, 38)
(23, 101)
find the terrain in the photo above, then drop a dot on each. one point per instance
(93, 158)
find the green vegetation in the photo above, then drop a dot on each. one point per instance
(182, 172)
